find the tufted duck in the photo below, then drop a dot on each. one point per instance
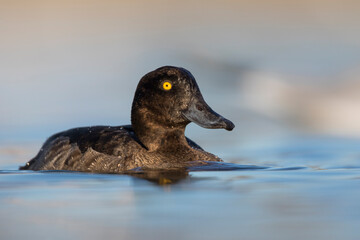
(166, 100)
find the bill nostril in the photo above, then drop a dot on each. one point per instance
(199, 107)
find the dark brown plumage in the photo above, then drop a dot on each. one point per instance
(165, 101)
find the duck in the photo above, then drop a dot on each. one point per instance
(166, 100)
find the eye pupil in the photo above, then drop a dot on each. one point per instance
(167, 86)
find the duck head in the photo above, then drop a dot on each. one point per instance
(167, 99)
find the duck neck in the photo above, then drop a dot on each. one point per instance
(156, 136)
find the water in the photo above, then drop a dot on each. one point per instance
(301, 189)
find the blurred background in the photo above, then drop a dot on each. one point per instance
(275, 68)
(286, 72)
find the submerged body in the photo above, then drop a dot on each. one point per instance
(166, 100)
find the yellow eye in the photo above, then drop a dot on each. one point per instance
(167, 86)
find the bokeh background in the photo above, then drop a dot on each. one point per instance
(285, 72)
(276, 68)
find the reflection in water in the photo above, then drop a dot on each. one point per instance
(175, 175)
(161, 177)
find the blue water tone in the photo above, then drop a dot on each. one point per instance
(303, 189)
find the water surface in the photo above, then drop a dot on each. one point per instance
(304, 189)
